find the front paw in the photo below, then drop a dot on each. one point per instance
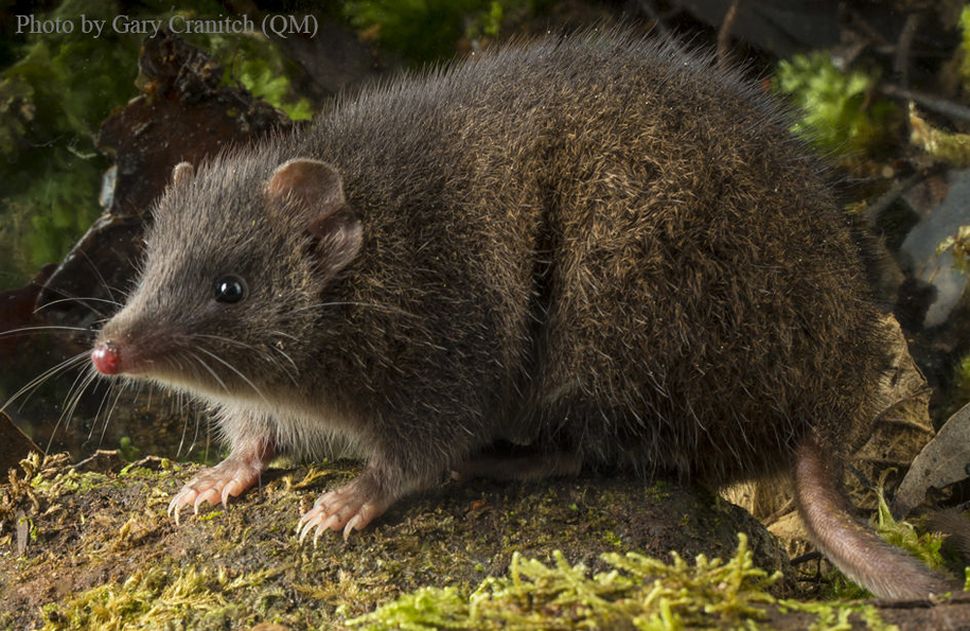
(216, 485)
(351, 507)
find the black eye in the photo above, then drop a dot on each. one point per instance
(230, 289)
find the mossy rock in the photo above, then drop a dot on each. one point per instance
(96, 549)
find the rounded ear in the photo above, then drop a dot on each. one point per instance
(182, 173)
(311, 184)
(315, 186)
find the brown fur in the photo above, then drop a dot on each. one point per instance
(598, 245)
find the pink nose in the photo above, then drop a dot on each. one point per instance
(106, 358)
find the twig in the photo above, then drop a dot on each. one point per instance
(904, 47)
(724, 34)
(934, 103)
(805, 558)
(867, 29)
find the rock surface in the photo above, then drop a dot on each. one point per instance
(80, 544)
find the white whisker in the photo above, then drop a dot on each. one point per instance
(33, 329)
(37, 381)
(241, 376)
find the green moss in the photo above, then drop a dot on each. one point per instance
(52, 100)
(128, 450)
(949, 147)
(612, 539)
(838, 112)
(157, 598)
(926, 546)
(212, 515)
(839, 616)
(659, 491)
(255, 63)
(638, 592)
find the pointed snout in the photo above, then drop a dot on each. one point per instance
(106, 358)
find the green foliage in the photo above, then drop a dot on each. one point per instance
(639, 592)
(925, 547)
(959, 246)
(128, 450)
(838, 113)
(255, 63)
(429, 30)
(52, 101)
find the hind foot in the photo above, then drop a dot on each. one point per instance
(230, 478)
(351, 507)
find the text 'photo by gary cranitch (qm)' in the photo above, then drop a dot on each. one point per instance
(529, 314)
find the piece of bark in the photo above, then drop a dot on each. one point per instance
(943, 461)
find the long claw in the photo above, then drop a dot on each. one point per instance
(307, 516)
(227, 492)
(305, 530)
(349, 528)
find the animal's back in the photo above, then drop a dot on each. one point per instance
(662, 276)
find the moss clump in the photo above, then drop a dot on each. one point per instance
(926, 546)
(952, 148)
(838, 113)
(156, 598)
(29, 490)
(639, 592)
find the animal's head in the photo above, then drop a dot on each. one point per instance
(237, 261)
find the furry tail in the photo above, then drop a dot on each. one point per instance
(884, 570)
